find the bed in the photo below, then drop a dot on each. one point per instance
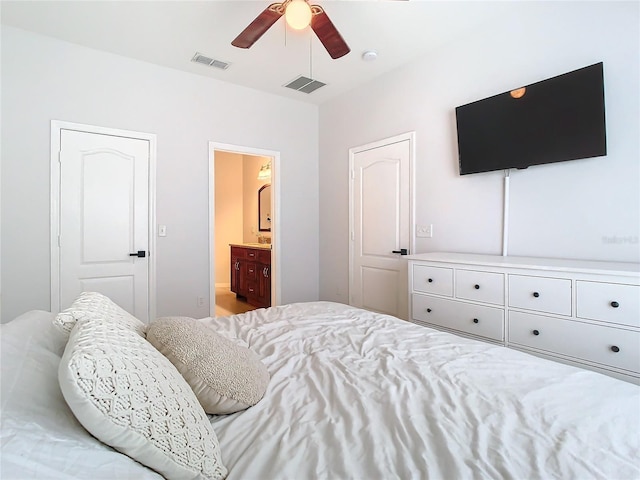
(352, 395)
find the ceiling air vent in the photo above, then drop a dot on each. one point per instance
(305, 84)
(211, 62)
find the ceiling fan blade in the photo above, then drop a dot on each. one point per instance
(259, 26)
(328, 34)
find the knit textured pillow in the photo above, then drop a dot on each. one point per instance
(225, 377)
(129, 396)
(90, 304)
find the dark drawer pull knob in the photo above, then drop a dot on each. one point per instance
(428, 310)
(536, 294)
(615, 304)
(615, 348)
(475, 320)
(536, 332)
(430, 280)
(476, 286)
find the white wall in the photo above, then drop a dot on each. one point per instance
(251, 186)
(228, 211)
(568, 209)
(45, 79)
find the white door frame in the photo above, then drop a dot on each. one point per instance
(56, 127)
(275, 226)
(411, 136)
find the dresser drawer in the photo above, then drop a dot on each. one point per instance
(542, 294)
(595, 343)
(609, 302)
(437, 280)
(478, 320)
(480, 286)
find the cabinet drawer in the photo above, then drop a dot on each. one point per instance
(252, 288)
(437, 280)
(609, 302)
(251, 253)
(251, 272)
(595, 343)
(478, 320)
(480, 286)
(550, 295)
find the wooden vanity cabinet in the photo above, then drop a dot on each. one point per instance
(251, 274)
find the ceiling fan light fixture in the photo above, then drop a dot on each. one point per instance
(298, 14)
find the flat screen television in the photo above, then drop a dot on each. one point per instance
(561, 118)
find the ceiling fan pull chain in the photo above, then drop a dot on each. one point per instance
(310, 57)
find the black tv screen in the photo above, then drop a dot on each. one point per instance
(561, 118)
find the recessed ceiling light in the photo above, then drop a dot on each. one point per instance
(370, 55)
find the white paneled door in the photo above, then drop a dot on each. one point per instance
(381, 225)
(104, 218)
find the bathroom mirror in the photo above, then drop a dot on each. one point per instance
(264, 208)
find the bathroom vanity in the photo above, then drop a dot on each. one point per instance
(251, 273)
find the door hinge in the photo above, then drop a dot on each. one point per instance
(353, 174)
(60, 157)
(353, 236)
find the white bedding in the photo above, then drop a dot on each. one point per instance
(352, 395)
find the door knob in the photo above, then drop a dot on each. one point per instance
(139, 253)
(402, 251)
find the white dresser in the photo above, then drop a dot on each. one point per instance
(580, 312)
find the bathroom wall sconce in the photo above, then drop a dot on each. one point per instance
(265, 171)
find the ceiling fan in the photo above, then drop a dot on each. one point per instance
(314, 15)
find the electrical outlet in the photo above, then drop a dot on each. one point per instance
(424, 231)
(200, 301)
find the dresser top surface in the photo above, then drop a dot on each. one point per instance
(539, 263)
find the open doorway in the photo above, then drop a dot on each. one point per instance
(243, 228)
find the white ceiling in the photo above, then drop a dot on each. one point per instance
(169, 33)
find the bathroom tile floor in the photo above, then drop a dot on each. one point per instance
(228, 304)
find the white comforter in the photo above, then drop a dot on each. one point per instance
(353, 395)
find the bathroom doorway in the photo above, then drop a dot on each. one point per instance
(243, 213)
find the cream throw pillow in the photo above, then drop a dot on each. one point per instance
(225, 377)
(129, 396)
(93, 303)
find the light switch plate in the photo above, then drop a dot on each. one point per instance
(162, 230)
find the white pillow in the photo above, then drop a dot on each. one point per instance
(225, 377)
(91, 304)
(129, 396)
